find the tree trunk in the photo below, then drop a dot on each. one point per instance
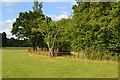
(38, 48)
(50, 50)
(33, 48)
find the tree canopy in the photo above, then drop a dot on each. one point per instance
(97, 24)
(93, 25)
(23, 25)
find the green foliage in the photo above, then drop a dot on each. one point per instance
(97, 24)
(50, 31)
(23, 25)
(0, 39)
(93, 25)
(4, 39)
(65, 36)
(18, 43)
(12, 42)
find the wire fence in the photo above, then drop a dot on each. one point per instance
(111, 55)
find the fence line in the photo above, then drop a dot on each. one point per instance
(79, 54)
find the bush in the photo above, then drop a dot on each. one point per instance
(100, 54)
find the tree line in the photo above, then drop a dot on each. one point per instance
(94, 26)
(12, 42)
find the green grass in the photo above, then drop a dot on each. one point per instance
(18, 63)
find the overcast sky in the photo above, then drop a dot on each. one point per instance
(10, 10)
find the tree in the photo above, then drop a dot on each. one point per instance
(81, 37)
(65, 35)
(98, 30)
(4, 39)
(50, 30)
(96, 26)
(38, 7)
(0, 40)
(23, 25)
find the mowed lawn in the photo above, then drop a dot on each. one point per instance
(18, 63)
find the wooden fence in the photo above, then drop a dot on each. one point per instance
(80, 54)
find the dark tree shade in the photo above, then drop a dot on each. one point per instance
(0, 39)
(4, 39)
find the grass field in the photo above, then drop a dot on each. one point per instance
(18, 63)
